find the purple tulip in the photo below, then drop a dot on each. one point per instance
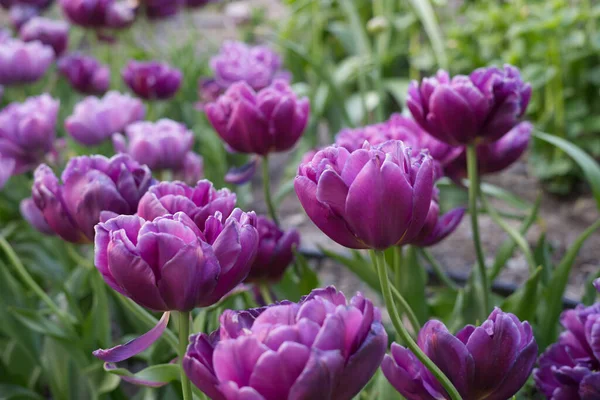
(570, 368)
(21, 13)
(199, 203)
(158, 9)
(489, 362)
(437, 227)
(168, 264)
(258, 66)
(161, 145)
(40, 4)
(198, 3)
(322, 347)
(192, 170)
(479, 108)
(275, 251)
(94, 120)
(98, 13)
(374, 197)
(28, 131)
(85, 73)
(22, 62)
(7, 166)
(494, 157)
(90, 185)
(33, 215)
(152, 80)
(51, 33)
(271, 120)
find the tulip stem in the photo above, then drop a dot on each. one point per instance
(267, 190)
(379, 263)
(473, 194)
(184, 333)
(439, 271)
(265, 293)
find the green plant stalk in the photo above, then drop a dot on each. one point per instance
(29, 281)
(380, 48)
(264, 292)
(379, 263)
(438, 270)
(398, 259)
(184, 333)
(406, 309)
(267, 190)
(473, 194)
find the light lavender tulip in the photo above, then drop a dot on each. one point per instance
(50, 32)
(22, 62)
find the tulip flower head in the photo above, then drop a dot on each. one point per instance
(375, 197)
(95, 119)
(492, 361)
(271, 120)
(33, 215)
(90, 186)
(161, 145)
(258, 66)
(85, 73)
(168, 264)
(158, 9)
(275, 251)
(437, 227)
(152, 80)
(7, 166)
(570, 368)
(322, 347)
(98, 14)
(475, 109)
(51, 33)
(28, 131)
(22, 62)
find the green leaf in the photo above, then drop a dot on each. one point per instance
(590, 294)
(397, 87)
(14, 392)
(33, 320)
(588, 165)
(357, 265)
(523, 302)
(427, 16)
(556, 289)
(155, 375)
(413, 279)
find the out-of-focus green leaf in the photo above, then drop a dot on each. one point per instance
(33, 319)
(413, 279)
(358, 265)
(397, 87)
(14, 392)
(590, 294)
(155, 375)
(427, 16)
(523, 302)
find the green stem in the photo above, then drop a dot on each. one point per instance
(407, 309)
(379, 263)
(267, 190)
(29, 281)
(473, 194)
(439, 271)
(184, 333)
(264, 292)
(397, 266)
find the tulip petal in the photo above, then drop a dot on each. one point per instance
(589, 388)
(234, 360)
(124, 351)
(243, 174)
(403, 371)
(518, 374)
(320, 376)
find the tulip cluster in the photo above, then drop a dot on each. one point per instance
(161, 145)
(94, 120)
(93, 188)
(152, 80)
(22, 62)
(322, 347)
(270, 120)
(85, 73)
(21, 11)
(570, 369)
(28, 132)
(99, 14)
(492, 361)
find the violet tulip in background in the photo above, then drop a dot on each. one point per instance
(22, 62)
(489, 362)
(33, 215)
(198, 3)
(95, 120)
(494, 157)
(85, 74)
(7, 166)
(168, 264)
(322, 347)
(152, 79)
(99, 13)
(161, 145)
(275, 251)
(479, 108)
(570, 368)
(52, 33)
(198, 202)
(270, 120)
(157, 9)
(28, 131)
(258, 66)
(90, 185)
(437, 227)
(374, 197)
